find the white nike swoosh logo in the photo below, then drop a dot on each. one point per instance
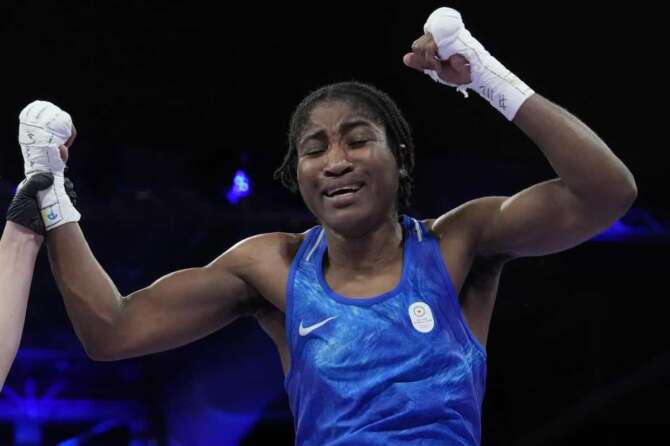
(304, 331)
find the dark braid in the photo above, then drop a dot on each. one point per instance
(381, 108)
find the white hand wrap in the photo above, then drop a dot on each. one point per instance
(495, 83)
(43, 128)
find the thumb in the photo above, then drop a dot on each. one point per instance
(413, 61)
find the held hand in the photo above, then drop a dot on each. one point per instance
(65, 148)
(46, 133)
(43, 129)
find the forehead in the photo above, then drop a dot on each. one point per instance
(332, 114)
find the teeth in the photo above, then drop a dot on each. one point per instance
(343, 190)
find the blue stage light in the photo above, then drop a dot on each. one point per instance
(637, 224)
(241, 187)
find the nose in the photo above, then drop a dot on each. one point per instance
(337, 162)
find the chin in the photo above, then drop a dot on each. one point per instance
(352, 222)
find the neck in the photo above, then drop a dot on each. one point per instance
(374, 250)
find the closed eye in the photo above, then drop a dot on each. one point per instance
(312, 152)
(312, 149)
(359, 143)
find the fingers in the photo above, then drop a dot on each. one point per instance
(65, 148)
(413, 61)
(459, 67)
(64, 153)
(69, 190)
(73, 136)
(458, 62)
(424, 54)
(38, 182)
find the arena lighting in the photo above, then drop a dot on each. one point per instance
(241, 188)
(637, 224)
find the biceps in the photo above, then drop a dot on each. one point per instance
(179, 308)
(540, 220)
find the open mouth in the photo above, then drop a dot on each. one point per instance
(350, 189)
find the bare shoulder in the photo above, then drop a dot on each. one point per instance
(459, 231)
(263, 262)
(264, 247)
(466, 222)
(260, 252)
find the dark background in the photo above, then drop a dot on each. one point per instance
(172, 98)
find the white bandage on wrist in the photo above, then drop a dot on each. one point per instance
(55, 205)
(43, 128)
(495, 83)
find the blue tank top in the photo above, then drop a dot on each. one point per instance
(401, 368)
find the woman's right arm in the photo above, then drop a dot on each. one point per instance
(177, 309)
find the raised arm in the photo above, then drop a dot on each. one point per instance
(174, 310)
(593, 187)
(18, 250)
(21, 240)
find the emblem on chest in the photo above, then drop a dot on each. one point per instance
(422, 317)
